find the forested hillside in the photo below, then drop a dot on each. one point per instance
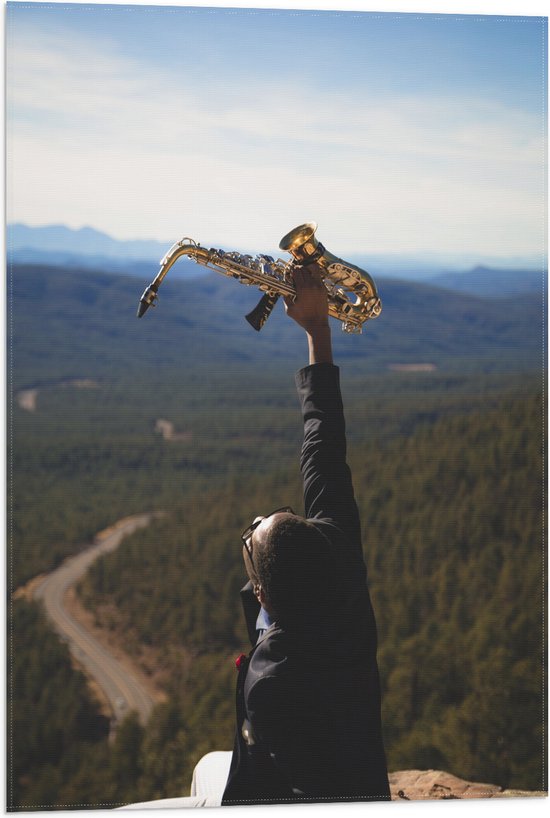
(86, 457)
(89, 322)
(452, 522)
(54, 722)
(453, 537)
(449, 479)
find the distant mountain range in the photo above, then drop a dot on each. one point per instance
(84, 242)
(90, 249)
(489, 282)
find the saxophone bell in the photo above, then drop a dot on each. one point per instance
(302, 244)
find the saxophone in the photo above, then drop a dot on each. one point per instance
(274, 277)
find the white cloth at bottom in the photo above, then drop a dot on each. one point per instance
(210, 774)
(207, 786)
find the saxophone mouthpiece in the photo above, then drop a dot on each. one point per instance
(147, 300)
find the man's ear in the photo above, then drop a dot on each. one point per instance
(259, 593)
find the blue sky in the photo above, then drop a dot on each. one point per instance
(406, 133)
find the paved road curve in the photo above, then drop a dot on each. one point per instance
(124, 692)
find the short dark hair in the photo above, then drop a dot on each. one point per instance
(293, 564)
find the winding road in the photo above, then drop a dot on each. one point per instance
(123, 690)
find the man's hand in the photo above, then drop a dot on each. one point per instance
(310, 308)
(310, 311)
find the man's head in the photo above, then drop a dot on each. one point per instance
(290, 565)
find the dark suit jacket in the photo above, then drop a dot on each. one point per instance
(308, 695)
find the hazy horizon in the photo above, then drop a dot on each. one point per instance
(431, 259)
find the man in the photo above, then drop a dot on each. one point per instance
(308, 695)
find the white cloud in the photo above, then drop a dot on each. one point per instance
(97, 139)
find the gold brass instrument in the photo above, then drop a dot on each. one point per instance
(274, 278)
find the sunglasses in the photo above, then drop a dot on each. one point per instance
(247, 533)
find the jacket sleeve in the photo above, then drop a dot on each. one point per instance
(328, 488)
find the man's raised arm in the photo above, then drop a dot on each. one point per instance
(328, 489)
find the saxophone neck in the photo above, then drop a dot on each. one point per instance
(184, 247)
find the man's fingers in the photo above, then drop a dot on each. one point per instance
(305, 277)
(298, 276)
(316, 273)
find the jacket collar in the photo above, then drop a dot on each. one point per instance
(251, 608)
(267, 633)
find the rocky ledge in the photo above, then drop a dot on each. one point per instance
(405, 785)
(419, 785)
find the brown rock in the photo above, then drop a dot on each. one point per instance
(420, 785)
